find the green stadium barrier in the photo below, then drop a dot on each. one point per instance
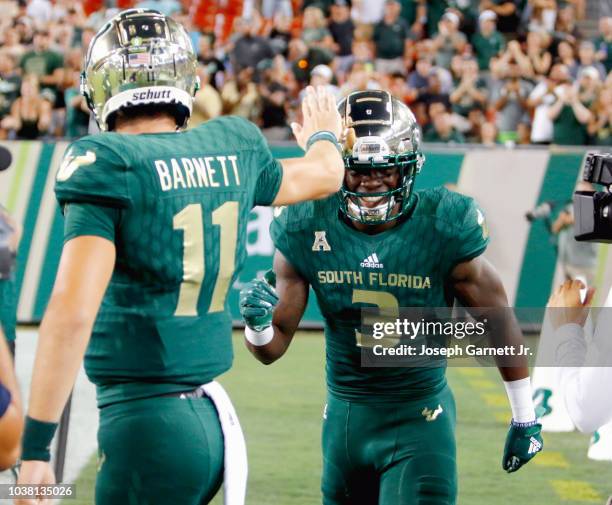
(506, 183)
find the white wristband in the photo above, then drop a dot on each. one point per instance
(521, 400)
(259, 338)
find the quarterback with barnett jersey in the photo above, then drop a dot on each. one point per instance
(155, 234)
(388, 432)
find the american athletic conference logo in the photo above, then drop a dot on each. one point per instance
(372, 261)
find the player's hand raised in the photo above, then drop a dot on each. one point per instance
(257, 302)
(319, 113)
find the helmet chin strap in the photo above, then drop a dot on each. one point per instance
(374, 215)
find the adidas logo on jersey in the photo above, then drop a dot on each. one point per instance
(534, 446)
(372, 262)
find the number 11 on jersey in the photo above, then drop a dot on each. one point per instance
(190, 221)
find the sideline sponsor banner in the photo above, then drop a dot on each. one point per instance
(506, 183)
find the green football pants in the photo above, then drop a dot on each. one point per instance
(390, 454)
(159, 451)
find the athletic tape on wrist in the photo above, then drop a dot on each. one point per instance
(37, 438)
(521, 400)
(323, 135)
(259, 338)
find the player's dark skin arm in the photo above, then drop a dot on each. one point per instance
(476, 283)
(292, 292)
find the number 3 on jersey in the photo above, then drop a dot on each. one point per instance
(189, 220)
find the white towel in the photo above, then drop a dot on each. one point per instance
(235, 460)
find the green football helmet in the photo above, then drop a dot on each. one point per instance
(139, 57)
(382, 134)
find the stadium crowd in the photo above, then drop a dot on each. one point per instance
(481, 71)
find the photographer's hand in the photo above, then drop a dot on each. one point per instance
(563, 220)
(568, 306)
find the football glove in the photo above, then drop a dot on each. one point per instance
(257, 302)
(523, 442)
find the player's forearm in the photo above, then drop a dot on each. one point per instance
(64, 335)
(273, 350)
(317, 174)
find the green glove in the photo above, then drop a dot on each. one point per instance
(257, 302)
(523, 442)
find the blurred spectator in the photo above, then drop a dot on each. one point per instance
(30, 115)
(600, 125)
(272, 8)
(434, 11)
(314, 31)
(538, 44)
(468, 11)
(418, 80)
(75, 19)
(280, 33)
(471, 91)
(240, 96)
(249, 48)
(302, 59)
(588, 58)
(39, 11)
(77, 112)
(488, 42)
(322, 75)
(523, 133)
(391, 39)
(342, 28)
(207, 102)
(367, 12)
(569, 117)
(274, 112)
(566, 27)
(414, 12)
(589, 85)
(449, 41)
(476, 119)
(399, 88)
(508, 13)
(603, 43)
(567, 56)
(10, 84)
(11, 44)
(541, 99)
(360, 78)
(509, 98)
(443, 130)
(42, 62)
(542, 15)
(488, 134)
(215, 68)
(434, 93)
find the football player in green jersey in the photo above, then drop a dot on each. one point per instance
(155, 234)
(388, 434)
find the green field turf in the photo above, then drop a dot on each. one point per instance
(280, 407)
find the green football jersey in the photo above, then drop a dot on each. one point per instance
(405, 266)
(176, 205)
